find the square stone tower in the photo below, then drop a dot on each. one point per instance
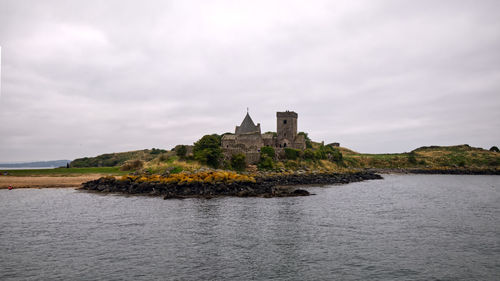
(286, 128)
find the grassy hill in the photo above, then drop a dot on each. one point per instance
(430, 157)
(116, 159)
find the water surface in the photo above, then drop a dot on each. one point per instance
(406, 227)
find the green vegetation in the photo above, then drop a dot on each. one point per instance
(267, 154)
(291, 153)
(155, 151)
(266, 163)
(267, 151)
(430, 157)
(494, 149)
(66, 171)
(207, 150)
(411, 158)
(132, 165)
(116, 159)
(238, 162)
(181, 151)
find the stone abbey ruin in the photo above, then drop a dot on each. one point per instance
(248, 139)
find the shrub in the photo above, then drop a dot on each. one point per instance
(132, 165)
(207, 150)
(238, 162)
(210, 157)
(267, 151)
(181, 151)
(157, 151)
(266, 163)
(176, 170)
(336, 155)
(226, 165)
(292, 165)
(309, 154)
(163, 157)
(292, 154)
(329, 152)
(411, 158)
(320, 154)
(494, 149)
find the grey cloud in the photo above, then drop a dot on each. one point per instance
(81, 78)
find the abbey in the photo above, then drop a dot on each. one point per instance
(248, 139)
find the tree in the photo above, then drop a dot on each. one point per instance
(494, 149)
(207, 150)
(336, 155)
(267, 151)
(266, 163)
(157, 151)
(292, 154)
(309, 154)
(181, 151)
(411, 158)
(328, 152)
(238, 162)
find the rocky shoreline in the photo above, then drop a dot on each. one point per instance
(438, 171)
(264, 186)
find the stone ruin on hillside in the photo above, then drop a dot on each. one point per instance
(248, 139)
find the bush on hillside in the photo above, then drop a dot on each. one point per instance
(181, 151)
(494, 149)
(411, 158)
(292, 154)
(266, 163)
(132, 165)
(207, 150)
(238, 162)
(267, 151)
(155, 151)
(309, 154)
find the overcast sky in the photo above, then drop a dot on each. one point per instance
(82, 78)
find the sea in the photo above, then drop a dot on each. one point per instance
(404, 227)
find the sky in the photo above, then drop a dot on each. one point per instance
(82, 78)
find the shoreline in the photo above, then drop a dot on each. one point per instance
(77, 181)
(46, 181)
(263, 186)
(431, 171)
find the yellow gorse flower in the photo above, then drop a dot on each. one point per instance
(210, 177)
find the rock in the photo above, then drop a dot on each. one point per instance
(263, 187)
(301, 192)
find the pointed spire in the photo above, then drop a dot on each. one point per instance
(247, 126)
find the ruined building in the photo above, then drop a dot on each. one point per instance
(248, 139)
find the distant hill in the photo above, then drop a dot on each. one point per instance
(39, 164)
(116, 159)
(457, 156)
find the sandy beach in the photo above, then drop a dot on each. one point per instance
(46, 181)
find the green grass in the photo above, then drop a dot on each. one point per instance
(66, 171)
(458, 156)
